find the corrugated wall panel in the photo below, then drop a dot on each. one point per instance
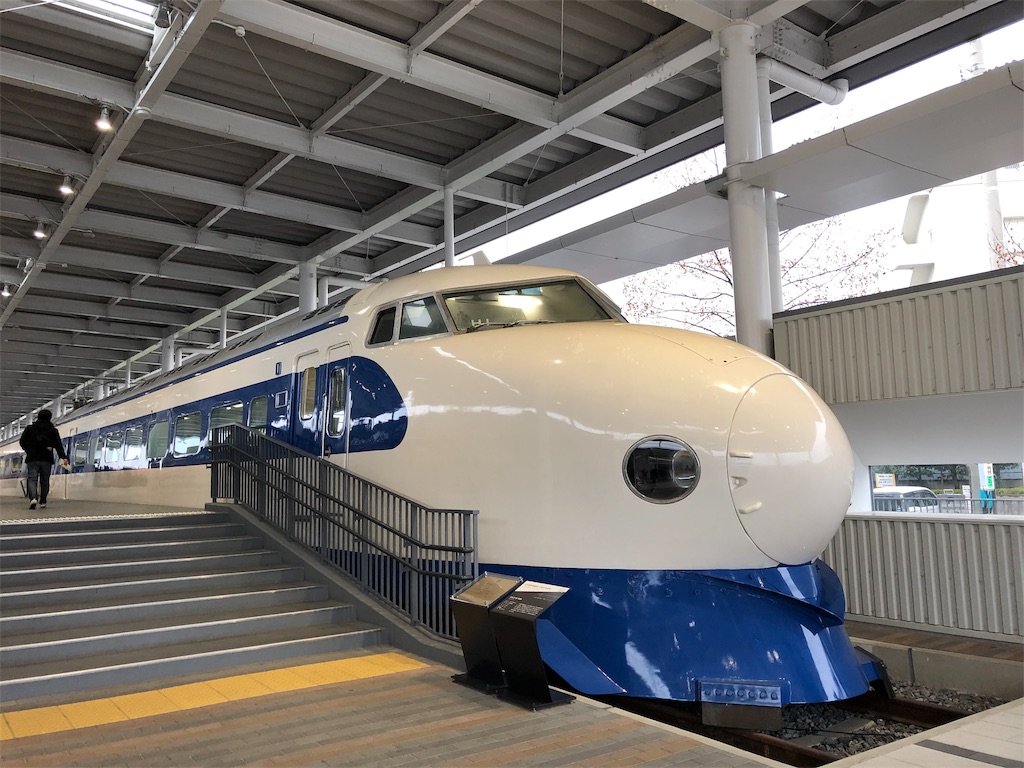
(943, 338)
(939, 571)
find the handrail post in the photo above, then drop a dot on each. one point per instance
(364, 546)
(236, 463)
(415, 608)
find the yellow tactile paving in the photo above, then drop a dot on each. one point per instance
(133, 706)
(145, 704)
(240, 687)
(33, 722)
(96, 712)
(194, 696)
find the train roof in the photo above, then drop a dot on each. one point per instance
(365, 300)
(449, 278)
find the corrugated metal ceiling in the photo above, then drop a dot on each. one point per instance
(255, 135)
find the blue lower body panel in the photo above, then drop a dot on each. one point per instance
(659, 634)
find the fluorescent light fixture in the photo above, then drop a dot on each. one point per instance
(6, 291)
(104, 122)
(65, 187)
(40, 230)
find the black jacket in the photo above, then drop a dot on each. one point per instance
(39, 440)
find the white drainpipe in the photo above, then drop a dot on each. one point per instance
(325, 283)
(827, 93)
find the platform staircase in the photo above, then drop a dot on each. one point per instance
(89, 603)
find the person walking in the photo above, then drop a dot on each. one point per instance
(39, 440)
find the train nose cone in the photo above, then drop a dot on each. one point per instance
(791, 469)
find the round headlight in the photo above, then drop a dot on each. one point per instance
(661, 469)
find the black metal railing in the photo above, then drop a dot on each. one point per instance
(950, 504)
(409, 556)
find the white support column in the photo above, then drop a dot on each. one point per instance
(307, 286)
(749, 243)
(167, 354)
(449, 227)
(127, 374)
(771, 208)
(98, 392)
(223, 328)
(58, 407)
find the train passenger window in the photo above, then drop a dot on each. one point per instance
(336, 423)
(81, 452)
(156, 446)
(258, 414)
(188, 431)
(225, 416)
(384, 327)
(133, 443)
(421, 318)
(95, 443)
(308, 404)
(112, 447)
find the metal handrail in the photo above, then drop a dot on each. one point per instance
(410, 556)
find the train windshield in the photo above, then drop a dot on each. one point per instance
(565, 301)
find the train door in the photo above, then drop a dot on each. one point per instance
(336, 434)
(70, 441)
(307, 400)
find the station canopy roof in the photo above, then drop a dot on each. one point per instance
(251, 137)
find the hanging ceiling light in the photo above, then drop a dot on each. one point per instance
(163, 16)
(40, 230)
(6, 291)
(104, 122)
(65, 187)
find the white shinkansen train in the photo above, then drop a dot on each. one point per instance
(681, 485)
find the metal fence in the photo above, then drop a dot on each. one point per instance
(959, 505)
(410, 556)
(945, 572)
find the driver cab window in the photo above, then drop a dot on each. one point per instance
(384, 328)
(421, 318)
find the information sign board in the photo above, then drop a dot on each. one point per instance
(515, 631)
(487, 589)
(471, 610)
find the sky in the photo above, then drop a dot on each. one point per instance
(914, 82)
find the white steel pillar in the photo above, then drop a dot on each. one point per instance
(449, 227)
(223, 328)
(771, 208)
(749, 243)
(127, 374)
(307, 286)
(99, 392)
(167, 354)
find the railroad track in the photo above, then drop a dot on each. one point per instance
(801, 750)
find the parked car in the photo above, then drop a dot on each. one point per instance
(904, 498)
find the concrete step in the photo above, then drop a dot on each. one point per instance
(69, 616)
(110, 553)
(44, 647)
(91, 603)
(126, 668)
(131, 587)
(72, 524)
(29, 540)
(54, 575)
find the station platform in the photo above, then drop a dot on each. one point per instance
(378, 706)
